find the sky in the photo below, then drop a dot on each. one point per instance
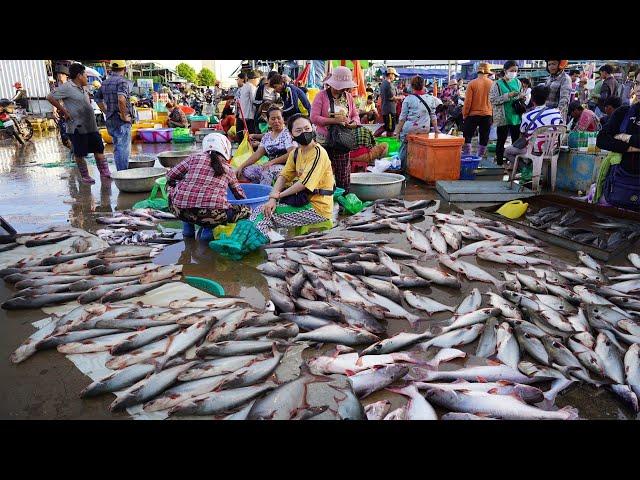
(224, 68)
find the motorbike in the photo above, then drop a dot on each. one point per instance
(14, 123)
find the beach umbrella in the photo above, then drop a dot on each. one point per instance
(303, 78)
(358, 78)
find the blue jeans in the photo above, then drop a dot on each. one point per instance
(121, 144)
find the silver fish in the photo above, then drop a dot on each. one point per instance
(94, 294)
(634, 258)
(451, 236)
(383, 287)
(288, 401)
(487, 345)
(118, 380)
(587, 357)
(217, 367)
(497, 256)
(611, 358)
(632, 368)
(540, 373)
(469, 303)
(471, 318)
(493, 372)
(233, 347)
(185, 339)
(502, 406)
(418, 408)
(130, 291)
(437, 240)
(84, 285)
(161, 273)
(507, 309)
(528, 393)
(435, 276)
(142, 338)
(405, 281)
(341, 335)
(531, 284)
(397, 253)
(38, 301)
(532, 345)
(143, 354)
(472, 272)
(454, 338)
(399, 341)
(369, 381)
(473, 248)
(253, 373)
(425, 303)
(102, 343)
(588, 261)
(630, 286)
(418, 240)
(227, 324)
(306, 322)
(508, 348)
(149, 387)
(183, 392)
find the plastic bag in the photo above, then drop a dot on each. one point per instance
(381, 165)
(245, 150)
(493, 133)
(352, 204)
(223, 230)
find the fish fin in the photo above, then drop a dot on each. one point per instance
(505, 382)
(481, 379)
(490, 361)
(349, 373)
(570, 413)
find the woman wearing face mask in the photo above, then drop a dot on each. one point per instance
(559, 84)
(335, 106)
(502, 95)
(309, 198)
(276, 144)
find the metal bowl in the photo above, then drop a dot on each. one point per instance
(172, 158)
(372, 186)
(137, 179)
(142, 161)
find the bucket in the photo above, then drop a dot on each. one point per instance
(468, 165)
(155, 135)
(394, 144)
(257, 195)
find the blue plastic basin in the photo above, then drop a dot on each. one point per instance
(257, 195)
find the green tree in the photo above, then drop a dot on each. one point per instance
(206, 77)
(186, 71)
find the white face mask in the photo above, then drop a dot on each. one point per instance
(511, 75)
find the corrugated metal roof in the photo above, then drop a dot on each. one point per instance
(31, 73)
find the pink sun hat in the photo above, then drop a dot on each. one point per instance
(341, 78)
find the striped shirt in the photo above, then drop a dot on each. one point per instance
(534, 119)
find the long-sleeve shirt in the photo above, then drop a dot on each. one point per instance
(476, 100)
(321, 107)
(291, 95)
(198, 187)
(559, 92)
(609, 89)
(606, 140)
(246, 99)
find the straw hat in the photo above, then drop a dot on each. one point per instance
(452, 83)
(484, 68)
(341, 78)
(391, 70)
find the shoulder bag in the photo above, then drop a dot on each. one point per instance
(340, 139)
(518, 105)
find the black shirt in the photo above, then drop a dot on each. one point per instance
(630, 161)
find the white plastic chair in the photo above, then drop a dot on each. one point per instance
(552, 136)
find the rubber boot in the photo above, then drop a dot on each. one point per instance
(466, 149)
(103, 168)
(188, 230)
(84, 170)
(482, 149)
(205, 234)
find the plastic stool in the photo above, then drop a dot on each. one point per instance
(161, 184)
(359, 165)
(304, 229)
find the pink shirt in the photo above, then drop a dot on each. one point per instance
(321, 107)
(588, 121)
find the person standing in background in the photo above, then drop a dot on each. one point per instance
(574, 75)
(559, 84)
(526, 89)
(502, 95)
(246, 97)
(61, 73)
(81, 122)
(609, 87)
(388, 100)
(114, 99)
(477, 111)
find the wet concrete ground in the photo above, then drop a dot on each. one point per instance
(47, 385)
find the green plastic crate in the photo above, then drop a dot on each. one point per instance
(206, 285)
(394, 144)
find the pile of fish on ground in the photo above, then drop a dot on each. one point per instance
(216, 356)
(124, 228)
(555, 323)
(101, 275)
(563, 222)
(199, 356)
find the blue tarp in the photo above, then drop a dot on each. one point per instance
(426, 73)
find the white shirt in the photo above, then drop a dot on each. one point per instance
(247, 97)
